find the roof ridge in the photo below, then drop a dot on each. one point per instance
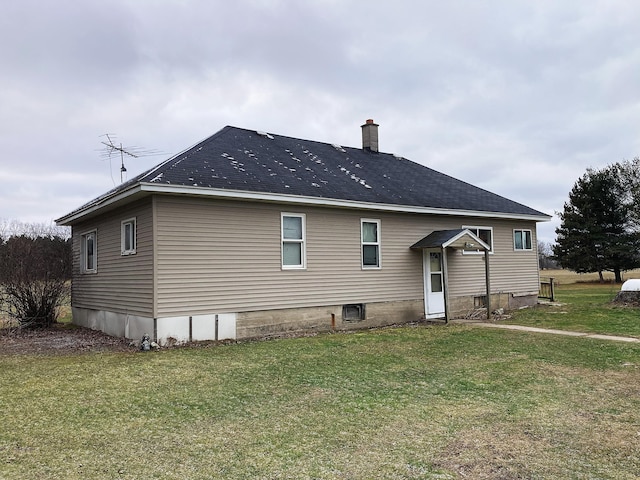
(289, 137)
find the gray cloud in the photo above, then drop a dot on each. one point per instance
(516, 97)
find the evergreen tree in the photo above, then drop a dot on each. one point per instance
(598, 232)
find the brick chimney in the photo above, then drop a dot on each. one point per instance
(370, 136)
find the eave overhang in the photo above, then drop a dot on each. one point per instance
(140, 190)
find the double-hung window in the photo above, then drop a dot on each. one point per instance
(128, 237)
(483, 233)
(89, 252)
(293, 241)
(370, 238)
(522, 240)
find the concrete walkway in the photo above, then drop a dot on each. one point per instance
(548, 330)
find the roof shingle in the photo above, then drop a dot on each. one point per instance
(245, 160)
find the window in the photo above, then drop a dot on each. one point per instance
(522, 240)
(128, 237)
(370, 231)
(483, 233)
(293, 241)
(89, 252)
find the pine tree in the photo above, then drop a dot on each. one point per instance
(597, 231)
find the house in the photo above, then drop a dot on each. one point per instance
(251, 234)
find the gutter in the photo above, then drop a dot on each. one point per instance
(150, 188)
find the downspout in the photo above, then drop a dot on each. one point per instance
(154, 267)
(445, 284)
(488, 282)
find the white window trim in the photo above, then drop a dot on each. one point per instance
(131, 251)
(378, 243)
(474, 229)
(83, 251)
(302, 241)
(514, 240)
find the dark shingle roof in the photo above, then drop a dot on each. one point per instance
(245, 160)
(437, 238)
(458, 238)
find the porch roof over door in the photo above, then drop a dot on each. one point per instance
(459, 239)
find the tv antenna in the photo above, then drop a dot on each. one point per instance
(113, 147)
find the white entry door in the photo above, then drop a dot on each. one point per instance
(433, 283)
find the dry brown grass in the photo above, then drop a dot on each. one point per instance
(592, 417)
(564, 277)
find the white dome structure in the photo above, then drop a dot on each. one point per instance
(631, 285)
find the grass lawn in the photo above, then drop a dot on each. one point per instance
(583, 307)
(429, 402)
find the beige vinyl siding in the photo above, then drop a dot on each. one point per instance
(512, 264)
(225, 256)
(123, 283)
(511, 271)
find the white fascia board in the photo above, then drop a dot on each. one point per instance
(283, 198)
(329, 202)
(93, 207)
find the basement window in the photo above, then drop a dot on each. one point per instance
(480, 301)
(353, 312)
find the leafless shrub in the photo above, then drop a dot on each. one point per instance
(35, 269)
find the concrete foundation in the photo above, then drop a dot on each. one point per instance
(318, 319)
(114, 324)
(168, 330)
(266, 323)
(461, 306)
(174, 330)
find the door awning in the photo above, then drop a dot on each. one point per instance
(459, 239)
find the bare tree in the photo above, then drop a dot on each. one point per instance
(14, 228)
(545, 256)
(35, 269)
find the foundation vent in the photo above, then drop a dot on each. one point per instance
(353, 312)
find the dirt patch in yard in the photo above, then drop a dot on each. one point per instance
(69, 339)
(62, 339)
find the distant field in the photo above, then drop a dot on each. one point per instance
(564, 277)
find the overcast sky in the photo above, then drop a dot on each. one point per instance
(517, 97)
